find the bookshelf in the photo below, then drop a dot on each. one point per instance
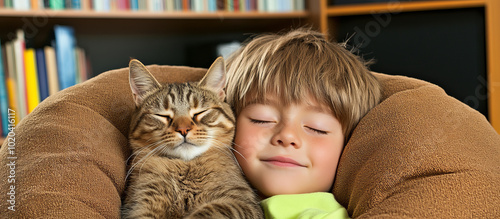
(143, 25)
(73, 14)
(91, 22)
(325, 18)
(318, 13)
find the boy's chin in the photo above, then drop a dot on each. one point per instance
(283, 189)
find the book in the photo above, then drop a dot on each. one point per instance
(262, 5)
(178, 5)
(134, 5)
(35, 5)
(32, 88)
(46, 4)
(67, 4)
(22, 4)
(76, 4)
(11, 79)
(8, 3)
(106, 5)
(123, 5)
(82, 64)
(98, 5)
(41, 69)
(56, 4)
(4, 101)
(186, 6)
(51, 65)
(299, 5)
(65, 56)
(154, 5)
(169, 5)
(212, 5)
(143, 5)
(86, 5)
(19, 44)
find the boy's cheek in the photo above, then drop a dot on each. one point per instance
(248, 135)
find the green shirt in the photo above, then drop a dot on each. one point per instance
(303, 206)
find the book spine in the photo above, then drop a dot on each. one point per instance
(32, 88)
(261, 5)
(134, 5)
(34, 5)
(51, 63)
(22, 4)
(42, 74)
(4, 101)
(76, 4)
(20, 74)
(11, 79)
(56, 4)
(65, 45)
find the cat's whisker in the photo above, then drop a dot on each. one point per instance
(229, 149)
(237, 145)
(150, 154)
(232, 155)
(138, 152)
(134, 155)
(232, 143)
(244, 158)
(143, 159)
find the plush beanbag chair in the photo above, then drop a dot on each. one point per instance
(419, 153)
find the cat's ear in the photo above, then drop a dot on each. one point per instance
(215, 78)
(141, 81)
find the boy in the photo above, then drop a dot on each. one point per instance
(297, 98)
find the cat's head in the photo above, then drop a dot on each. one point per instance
(180, 120)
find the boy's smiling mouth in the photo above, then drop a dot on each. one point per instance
(282, 162)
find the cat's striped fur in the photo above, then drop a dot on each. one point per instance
(182, 165)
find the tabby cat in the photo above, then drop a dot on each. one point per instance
(182, 165)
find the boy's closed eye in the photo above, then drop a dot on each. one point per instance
(318, 131)
(315, 130)
(258, 121)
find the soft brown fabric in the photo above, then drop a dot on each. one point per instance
(418, 154)
(71, 151)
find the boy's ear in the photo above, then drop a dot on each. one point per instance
(142, 82)
(215, 78)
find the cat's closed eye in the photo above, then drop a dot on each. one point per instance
(196, 116)
(163, 117)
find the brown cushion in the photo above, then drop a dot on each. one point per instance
(419, 153)
(72, 149)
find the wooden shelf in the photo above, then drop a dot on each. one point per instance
(151, 15)
(146, 22)
(396, 7)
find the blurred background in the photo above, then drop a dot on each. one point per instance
(443, 42)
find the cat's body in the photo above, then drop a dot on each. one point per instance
(182, 166)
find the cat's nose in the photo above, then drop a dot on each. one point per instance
(183, 130)
(183, 126)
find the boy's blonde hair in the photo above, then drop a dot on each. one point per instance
(300, 64)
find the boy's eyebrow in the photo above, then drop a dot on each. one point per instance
(319, 109)
(311, 106)
(261, 101)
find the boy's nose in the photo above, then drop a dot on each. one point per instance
(285, 137)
